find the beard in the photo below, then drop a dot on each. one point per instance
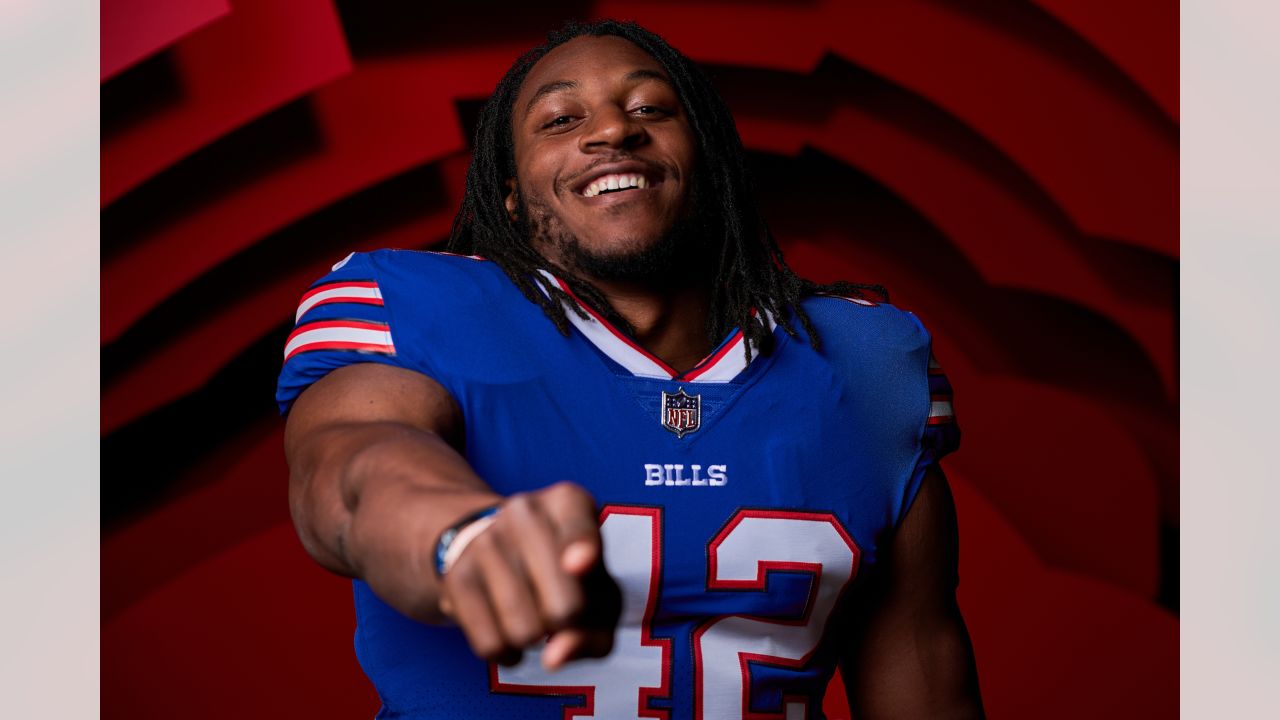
(680, 256)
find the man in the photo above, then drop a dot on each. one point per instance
(619, 461)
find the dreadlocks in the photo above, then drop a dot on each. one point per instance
(750, 275)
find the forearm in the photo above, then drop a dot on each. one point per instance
(948, 672)
(924, 672)
(370, 499)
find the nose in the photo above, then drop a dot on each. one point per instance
(611, 128)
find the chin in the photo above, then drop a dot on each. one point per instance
(628, 257)
(620, 246)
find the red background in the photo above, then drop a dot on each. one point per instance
(1007, 169)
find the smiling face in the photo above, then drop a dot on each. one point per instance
(604, 159)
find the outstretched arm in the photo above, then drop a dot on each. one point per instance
(909, 654)
(376, 477)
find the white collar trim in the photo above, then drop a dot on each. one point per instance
(721, 366)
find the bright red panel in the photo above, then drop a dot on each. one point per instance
(132, 30)
(263, 55)
(193, 356)
(388, 117)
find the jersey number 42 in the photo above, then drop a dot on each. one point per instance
(739, 558)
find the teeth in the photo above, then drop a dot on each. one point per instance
(614, 182)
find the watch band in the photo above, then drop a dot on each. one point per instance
(456, 537)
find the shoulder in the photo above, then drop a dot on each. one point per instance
(879, 349)
(411, 282)
(424, 311)
(865, 329)
(423, 269)
(392, 268)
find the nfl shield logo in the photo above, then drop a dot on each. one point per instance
(681, 413)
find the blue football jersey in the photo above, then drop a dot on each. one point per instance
(739, 501)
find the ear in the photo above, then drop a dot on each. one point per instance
(511, 201)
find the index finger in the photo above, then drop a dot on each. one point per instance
(573, 516)
(559, 594)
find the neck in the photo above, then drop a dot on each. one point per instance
(669, 322)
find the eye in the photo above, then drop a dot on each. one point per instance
(649, 110)
(559, 121)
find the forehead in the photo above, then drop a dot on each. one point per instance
(586, 59)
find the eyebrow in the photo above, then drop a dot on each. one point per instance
(561, 85)
(648, 74)
(547, 89)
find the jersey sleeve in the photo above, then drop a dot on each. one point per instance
(940, 433)
(341, 320)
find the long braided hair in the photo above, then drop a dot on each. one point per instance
(750, 274)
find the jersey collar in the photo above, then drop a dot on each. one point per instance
(721, 366)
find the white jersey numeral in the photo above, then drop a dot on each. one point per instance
(619, 685)
(753, 544)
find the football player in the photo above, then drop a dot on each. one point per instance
(612, 458)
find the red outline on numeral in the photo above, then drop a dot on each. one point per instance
(647, 640)
(763, 568)
(646, 625)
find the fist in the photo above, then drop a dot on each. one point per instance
(536, 572)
